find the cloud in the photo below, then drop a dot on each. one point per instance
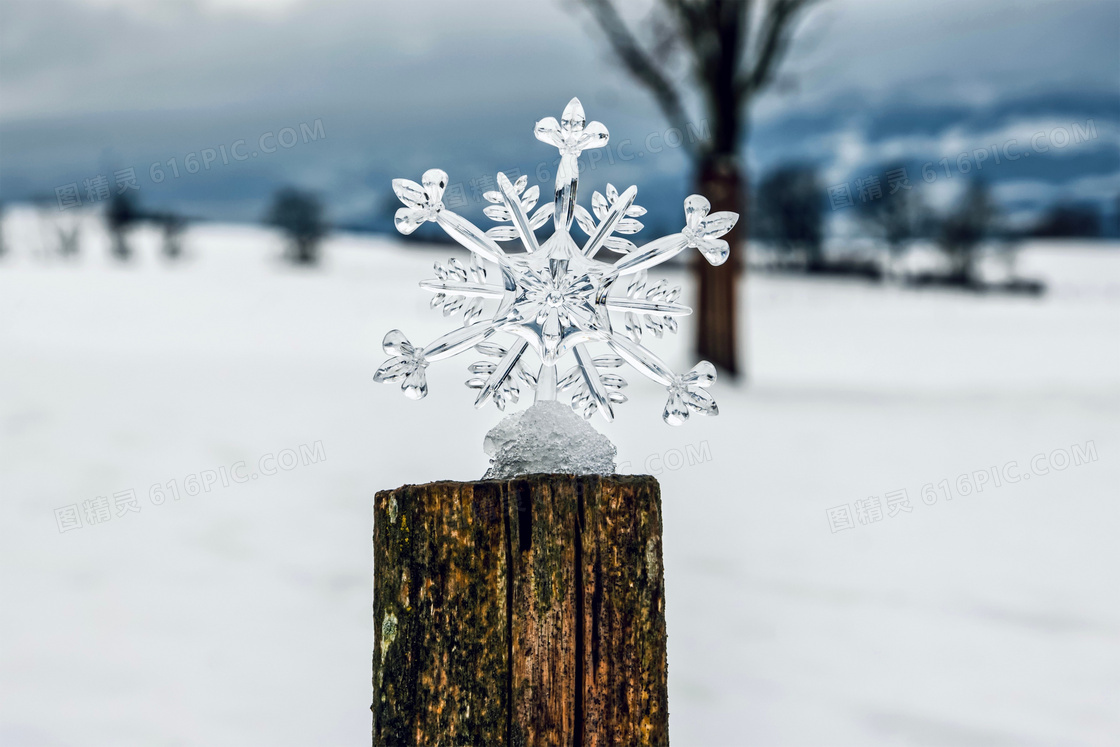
(989, 148)
(960, 51)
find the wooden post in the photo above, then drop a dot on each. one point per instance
(525, 612)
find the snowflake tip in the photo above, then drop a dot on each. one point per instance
(703, 231)
(422, 202)
(573, 133)
(407, 365)
(686, 394)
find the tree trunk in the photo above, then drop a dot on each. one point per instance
(521, 612)
(305, 251)
(721, 181)
(121, 249)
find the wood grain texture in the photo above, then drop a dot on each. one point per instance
(523, 612)
(625, 678)
(440, 616)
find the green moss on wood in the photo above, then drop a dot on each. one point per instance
(520, 612)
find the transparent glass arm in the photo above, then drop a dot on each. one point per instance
(467, 234)
(643, 306)
(643, 360)
(458, 340)
(462, 288)
(567, 178)
(653, 253)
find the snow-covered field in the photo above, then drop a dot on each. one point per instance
(241, 616)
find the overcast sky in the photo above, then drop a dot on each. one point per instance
(73, 56)
(82, 80)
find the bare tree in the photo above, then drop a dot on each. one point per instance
(789, 201)
(172, 225)
(734, 49)
(121, 215)
(300, 216)
(971, 221)
(896, 219)
(69, 239)
(1066, 219)
(60, 230)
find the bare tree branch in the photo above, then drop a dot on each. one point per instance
(737, 47)
(775, 32)
(638, 63)
(699, 30)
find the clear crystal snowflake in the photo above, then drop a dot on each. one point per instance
(556, 297)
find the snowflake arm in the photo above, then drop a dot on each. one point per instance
(461, 339)
(572, 135)
(686, 392)
(642, 359)
(424, 203)
(463, 288)
(645, 306)
(465, 232)
(653, 253)
(702, 231)
(409, 362)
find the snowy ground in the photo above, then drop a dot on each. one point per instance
(241, 616)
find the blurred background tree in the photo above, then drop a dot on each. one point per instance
(299, 215)
(1067, 220)
(172, 225)
(969, 222)
(121, 215)
(69, 238)
(789, 202)
(60, 231)
(734, 48)
(896, 219)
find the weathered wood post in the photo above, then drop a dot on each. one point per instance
(522, 612)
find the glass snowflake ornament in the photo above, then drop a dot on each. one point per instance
(558, 297)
